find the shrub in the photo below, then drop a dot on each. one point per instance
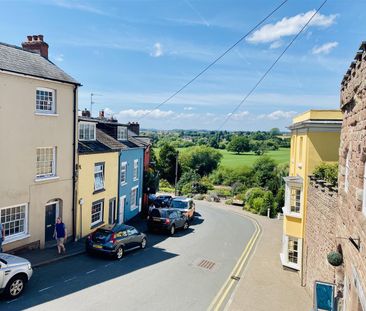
(327, 172)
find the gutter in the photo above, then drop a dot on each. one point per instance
(74, 164)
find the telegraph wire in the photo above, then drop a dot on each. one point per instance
(271, 67)
(215, 61)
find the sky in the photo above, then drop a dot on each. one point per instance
(134, 54)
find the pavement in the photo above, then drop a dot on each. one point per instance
(41, 257)
(265, 284)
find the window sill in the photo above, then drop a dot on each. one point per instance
(46, 114)
(123, 184)
(45, 179)
(15, 238)
(98, 224)
(132, 208)
(285, 263)
(135, 179)
(98, 191)
(294, 215)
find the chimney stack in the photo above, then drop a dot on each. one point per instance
(134, 127)
(36, 44)
(86, 113)
(101, 114)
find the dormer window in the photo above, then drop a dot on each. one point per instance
(122, 133)
(86, 131)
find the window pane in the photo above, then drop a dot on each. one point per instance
(12, 220)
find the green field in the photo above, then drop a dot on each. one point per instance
(233, 160)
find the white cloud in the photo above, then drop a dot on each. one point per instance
(289, 26)
(188, 108)
(277, 115)
(59, 58)
(137, 114)
(158, 50)
(276, 44)
(239, 116)
(324, 48)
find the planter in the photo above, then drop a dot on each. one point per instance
(335, 258)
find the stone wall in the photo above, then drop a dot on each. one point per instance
(351, 221)
(320, 238)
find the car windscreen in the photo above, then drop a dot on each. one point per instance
(179, 204)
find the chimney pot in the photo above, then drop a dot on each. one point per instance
(85, 113)
(36, 44)
(101, 114)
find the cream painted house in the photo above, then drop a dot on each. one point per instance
(38, 112)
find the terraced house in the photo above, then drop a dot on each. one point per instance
(110, 173)
(38, 105)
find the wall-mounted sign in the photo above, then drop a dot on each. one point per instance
(324, 294)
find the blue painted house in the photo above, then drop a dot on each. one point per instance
(131, 161)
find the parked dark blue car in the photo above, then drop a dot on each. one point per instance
(115, 240)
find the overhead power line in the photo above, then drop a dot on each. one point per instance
(215, 61)
(271, 67)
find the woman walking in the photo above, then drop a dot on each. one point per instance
(60, 235)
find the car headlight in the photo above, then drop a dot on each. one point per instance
(29, 266)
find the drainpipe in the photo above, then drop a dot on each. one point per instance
(74, 165)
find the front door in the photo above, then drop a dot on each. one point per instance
(112, 211)
(50, 220)
(121, 213)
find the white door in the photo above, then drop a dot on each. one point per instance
(121, 213)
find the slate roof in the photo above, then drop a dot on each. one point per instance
(109, 141)
(92, 146)
(17, 60)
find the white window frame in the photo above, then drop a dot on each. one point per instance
(86, 125)
(100, 219)
(98, 172)
(346, 175)
(53, 103)
(287, 207)
(136, 169)
(122, 133)
(134, 200)
(53, 164)
(285, 252)
(20, 235)
(364, 191)
(124, 170)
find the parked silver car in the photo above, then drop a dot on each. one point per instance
(15, 272)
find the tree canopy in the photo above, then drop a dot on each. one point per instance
(239, 144)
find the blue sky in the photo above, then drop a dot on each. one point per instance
(136, 53)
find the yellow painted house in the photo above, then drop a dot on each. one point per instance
(315, 137)
(97, 192)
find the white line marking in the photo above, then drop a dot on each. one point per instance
(12, 300)
(107, 265)
(43, 289)
(68, 280)
(91, 271)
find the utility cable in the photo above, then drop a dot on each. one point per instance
(271, 67)
(215, 61)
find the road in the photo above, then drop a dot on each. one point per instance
(170, 274)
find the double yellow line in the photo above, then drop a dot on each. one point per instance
(236, 272)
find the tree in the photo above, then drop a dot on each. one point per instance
(239, 144)
(263, 171)
(202, 159)
(275, 131)
(258, 147)
(167, 162)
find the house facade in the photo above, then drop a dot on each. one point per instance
(37, 137)
(97, 193)
(351, 216)
(314, 139)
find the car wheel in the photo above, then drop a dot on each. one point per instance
(119, 252)
(172, 230)
(143, 243)
(186, 225)
(15, 286)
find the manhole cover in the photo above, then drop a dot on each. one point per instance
(206, 264)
